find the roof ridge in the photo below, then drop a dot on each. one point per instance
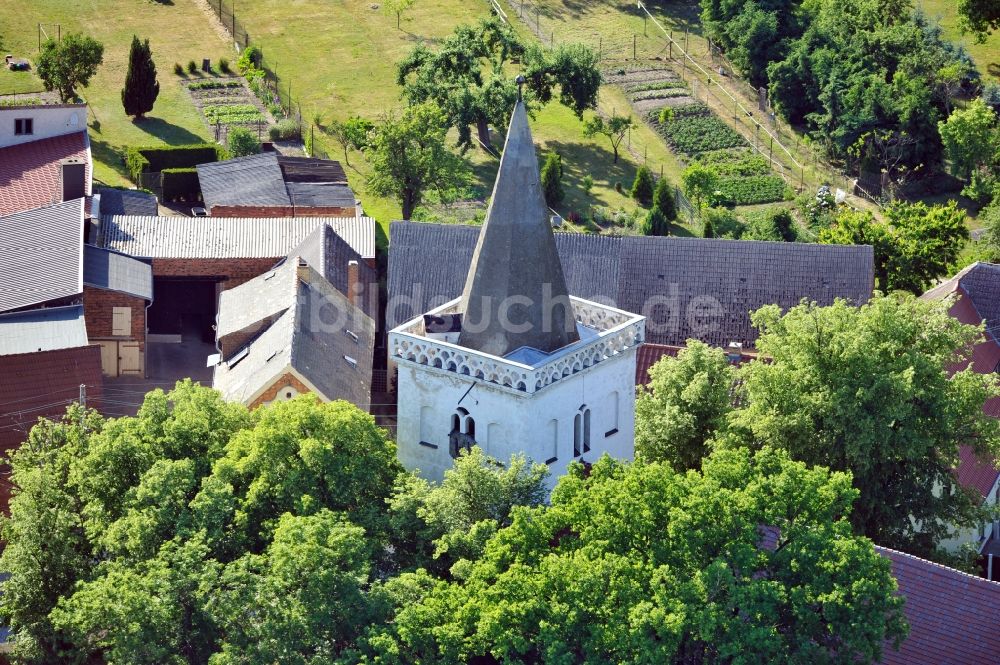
(949, 569)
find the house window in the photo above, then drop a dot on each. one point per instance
(553, 446)
(24, 126)
(121, 321)
(613, 409)
(463, 432)
(581, 431)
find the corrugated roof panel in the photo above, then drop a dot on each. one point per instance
(46, 329)
(109, 270)
(227, 237)
(41, 255)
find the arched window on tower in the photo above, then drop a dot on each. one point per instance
(581, 431)
(463, 432)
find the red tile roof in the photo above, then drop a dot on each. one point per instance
(29, 172)
(952, 615)
(647, 356)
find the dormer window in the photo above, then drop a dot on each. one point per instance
(24, 126)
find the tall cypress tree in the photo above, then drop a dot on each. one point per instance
(141, 86)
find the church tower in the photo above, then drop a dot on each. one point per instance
(516, 364)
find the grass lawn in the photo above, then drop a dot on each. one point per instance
(177, 32)
(987, 56)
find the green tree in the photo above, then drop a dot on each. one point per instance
(467, 77)
(351, 134)
(980, 17)
(151, 539)
(442, 524)
(615, 128)
(551, 175)
(396, 8)
(642, 186)
(971, 139)
(663, 198)
(637, 563)
(655, 223)
(684, 405)
(700, 183)
(141, 87)
(867, 390)
(916, 245)
(241, 142)
(69, 63)
(408, 157)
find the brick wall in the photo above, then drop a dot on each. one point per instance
(286, 379)
(282, 211)
(232, 271)
(98, 307)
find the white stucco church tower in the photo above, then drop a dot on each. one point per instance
(516, 364)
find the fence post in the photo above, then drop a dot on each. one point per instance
(633, 46)
(538, 18)
(600, 48)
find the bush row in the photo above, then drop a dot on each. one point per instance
(660, 94)
(232, 114)
(150, 159)
(212, 85)
(180, 184)
(657, 85)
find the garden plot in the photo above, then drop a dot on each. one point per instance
(650, 88)
(228, 102)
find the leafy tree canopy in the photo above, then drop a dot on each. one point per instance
(66, 64)
(980, 17)
(636, 563)
(867, 390)
(971, 139)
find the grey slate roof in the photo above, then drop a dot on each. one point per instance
(318, 329)
(274, 180)
(226, 237)
(112, 271)
(41, 255)
(245, 181)
(668, 280)
(329, 254)
(515, 295)
(127, 202)
(261, 299)
(45, 329)
(982, 284)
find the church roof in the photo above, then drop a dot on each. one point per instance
(515, 294)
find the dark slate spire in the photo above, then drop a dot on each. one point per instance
(515, 294)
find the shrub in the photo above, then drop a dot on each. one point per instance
(642, 186)
(242, 142)
(224, 65)
(552, 179)
(139, 160)
(192, 67)
(655, 223)
(178, 69)
(663, 198)
(249, 60)
(618, 187)
(588, 184)
(180, 184)
(706, 230)
(286, 130)
(724, 223)
(666, 115)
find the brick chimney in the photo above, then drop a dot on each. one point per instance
(72, 179)
(355, 289)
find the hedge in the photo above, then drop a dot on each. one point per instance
(150, 159)
(180, 185)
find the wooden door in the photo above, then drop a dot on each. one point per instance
(129, 358)
(109, 358)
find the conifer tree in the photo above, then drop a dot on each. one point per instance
(141, 86)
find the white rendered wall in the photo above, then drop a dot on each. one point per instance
(508, 423)
(48, 121)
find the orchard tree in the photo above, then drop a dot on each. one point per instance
(980, 17)
(867, 390)
(351, 134)
(409, 158)
(68, 63)
(467, 77)
(635, 563)
(551, 175)
(684, 405)
(615, 128)
(396, 8)
(700, 183)
(141, 87)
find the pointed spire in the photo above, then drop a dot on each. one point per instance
(515, 294)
